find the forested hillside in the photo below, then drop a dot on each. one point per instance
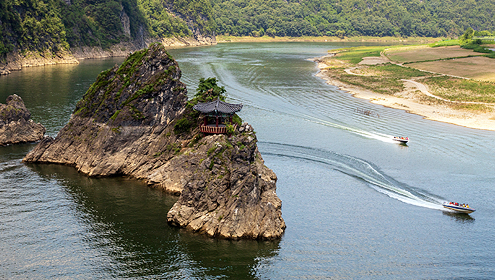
(55, 25)
(36, 25)
(30, 25)
(432, 18)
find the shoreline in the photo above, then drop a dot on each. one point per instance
(441, 113)
(15, 61)
(330, 39)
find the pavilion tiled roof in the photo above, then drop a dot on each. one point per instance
(217, 106)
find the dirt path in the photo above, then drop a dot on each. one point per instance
(424, 89)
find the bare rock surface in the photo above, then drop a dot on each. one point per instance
(16, 125)
(127, 124)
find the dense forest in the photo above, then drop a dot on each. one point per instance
(426, 18)
(31, 25)
(54, 25)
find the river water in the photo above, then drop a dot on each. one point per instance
(356, 204)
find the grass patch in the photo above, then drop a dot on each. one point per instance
(135, 113)
(157, 154)
(175, 147)
(114, 116)
(355, 55)
(145, 90)
(473, 107)
(463, 90)
(211, 150)
(384, 78)
(445, 43)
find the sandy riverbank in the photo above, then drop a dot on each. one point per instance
(408, 100)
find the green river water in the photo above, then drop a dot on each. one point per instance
(356, 204)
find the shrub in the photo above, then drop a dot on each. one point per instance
(237, 120)
(481, 49)
(208, 90)
(230, 128)
(182, 126)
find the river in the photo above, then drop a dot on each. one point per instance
(356, 204)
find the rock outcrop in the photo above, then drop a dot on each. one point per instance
(135, 121)
(16, 125)
(230, 192)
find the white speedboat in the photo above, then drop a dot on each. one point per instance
(458, 207)
(401, 139)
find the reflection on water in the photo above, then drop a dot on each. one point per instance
(51, 92)
(460, 217)
(125, 221)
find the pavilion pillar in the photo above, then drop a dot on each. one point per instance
(206, 120)
(217, 121)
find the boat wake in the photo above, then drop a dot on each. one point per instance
(368, 134)
(359, 169)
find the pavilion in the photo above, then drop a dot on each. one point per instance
(216, 113)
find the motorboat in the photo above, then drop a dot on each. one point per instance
(401, 139)
(458, 207)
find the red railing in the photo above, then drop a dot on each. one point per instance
(213, 129)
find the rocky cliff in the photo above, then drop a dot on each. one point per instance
(16, 125)
(228, 192)
(135, 121)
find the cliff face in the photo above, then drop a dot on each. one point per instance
(16, 125)
(134, 121)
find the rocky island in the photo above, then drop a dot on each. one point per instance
(136, 121)
(16, 125)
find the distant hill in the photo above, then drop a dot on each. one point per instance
(54, 26)
(426, 18)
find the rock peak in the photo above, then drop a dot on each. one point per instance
(144, 90)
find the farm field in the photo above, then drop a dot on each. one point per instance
(477, 68)
(425, 53)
